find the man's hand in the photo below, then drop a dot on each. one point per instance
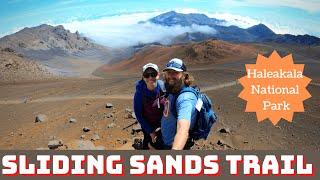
(153, 137)
(151, 147)
(182, 134)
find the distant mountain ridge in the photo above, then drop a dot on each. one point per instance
(45, 41)
(256, 33)
(173, 18)
(61, 51)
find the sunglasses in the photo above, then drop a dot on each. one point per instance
(152, 74)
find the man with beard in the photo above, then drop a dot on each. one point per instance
(179, 115)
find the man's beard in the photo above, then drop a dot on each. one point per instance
(174, 88)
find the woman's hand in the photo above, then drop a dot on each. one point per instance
(153, 137)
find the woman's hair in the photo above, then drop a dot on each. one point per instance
(188, 79)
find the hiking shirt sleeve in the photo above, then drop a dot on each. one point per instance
(185, 106)
(138, 111)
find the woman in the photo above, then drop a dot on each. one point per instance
(147, 105)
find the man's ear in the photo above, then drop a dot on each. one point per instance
(186, 75)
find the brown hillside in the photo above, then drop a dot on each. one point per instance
(206, 52)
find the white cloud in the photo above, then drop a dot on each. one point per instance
(246, 22)
(125, 30)
(285, 29)
(312, 6)
(233, 19)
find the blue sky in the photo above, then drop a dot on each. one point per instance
(282, 16)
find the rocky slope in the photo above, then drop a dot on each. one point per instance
(63, 52)
(15, 67)
(44, 41)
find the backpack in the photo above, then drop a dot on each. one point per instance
(205, 118)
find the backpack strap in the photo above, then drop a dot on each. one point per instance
(195, 90)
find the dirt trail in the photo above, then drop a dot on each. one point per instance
(117, 96)
(66, 98)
